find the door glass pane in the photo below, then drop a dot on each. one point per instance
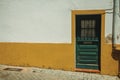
(82, 24)
(92, 23)
(93, 33)
(87, 29)
(82, 33)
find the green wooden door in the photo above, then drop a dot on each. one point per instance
(88, 30)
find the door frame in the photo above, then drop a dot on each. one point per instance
(88, 12)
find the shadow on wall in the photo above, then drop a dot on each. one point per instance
(116, 55)
(118, 51)
(115, 51)
(108, 40)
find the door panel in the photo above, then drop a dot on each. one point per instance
(88, 28)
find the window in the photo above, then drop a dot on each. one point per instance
(87, 28)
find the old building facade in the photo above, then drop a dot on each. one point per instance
(76, 35)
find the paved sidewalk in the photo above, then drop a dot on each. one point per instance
(31, 73)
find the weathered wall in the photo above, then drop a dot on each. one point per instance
(57, 56)
(108, 29)
(39, 33)
(109, 60)
(42, 21)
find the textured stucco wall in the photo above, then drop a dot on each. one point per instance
(43, 21)
(46, 24)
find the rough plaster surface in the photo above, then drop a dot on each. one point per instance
(44, 21)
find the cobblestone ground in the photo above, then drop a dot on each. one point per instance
(31, 73)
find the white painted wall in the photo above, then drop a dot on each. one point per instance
(44, 21)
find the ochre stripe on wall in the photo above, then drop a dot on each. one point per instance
(57, 56)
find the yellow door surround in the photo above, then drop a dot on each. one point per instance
(108, 65)
(88, 12)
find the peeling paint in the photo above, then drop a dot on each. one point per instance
(118, 36)
(108, 38)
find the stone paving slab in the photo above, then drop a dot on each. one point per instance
(31, 73)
